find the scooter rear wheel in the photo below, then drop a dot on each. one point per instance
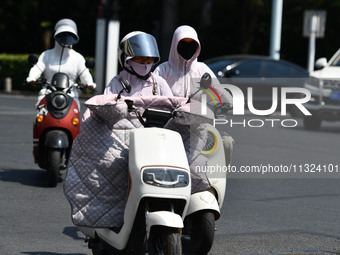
(165, 241)
(53, 167)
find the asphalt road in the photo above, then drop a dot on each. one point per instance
(278, 213)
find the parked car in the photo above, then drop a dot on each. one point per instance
(325, 90)
(260, 72)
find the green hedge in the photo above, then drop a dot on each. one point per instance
(16, 67)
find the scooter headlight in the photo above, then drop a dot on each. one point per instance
(166, 177)
(59, 101)
(210, 144)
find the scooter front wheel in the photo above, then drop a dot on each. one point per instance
(165, 241)
(53, 167)
(99, 252)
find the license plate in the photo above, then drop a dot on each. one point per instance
(335, 95)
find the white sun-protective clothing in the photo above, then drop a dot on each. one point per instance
(64, 60)
(180, 72)
(61, 59)
(143, 82)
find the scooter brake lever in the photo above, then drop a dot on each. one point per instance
(131, 108)
(129, 104)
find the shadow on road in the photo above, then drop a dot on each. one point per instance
(49, 253)
(73, 232)
(28, 177)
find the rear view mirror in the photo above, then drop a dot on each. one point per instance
(205, 81)
(126, 86)
(32, 59)
(90, 63)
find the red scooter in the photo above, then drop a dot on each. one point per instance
(56, 125)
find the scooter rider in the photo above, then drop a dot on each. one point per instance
(183, 66)
(62, 58)
(138, 53)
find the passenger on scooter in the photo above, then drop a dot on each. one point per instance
(138, 53)
(183, 66)
(62, 58)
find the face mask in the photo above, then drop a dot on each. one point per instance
(187, 49)
(66, 39)
(141, 69)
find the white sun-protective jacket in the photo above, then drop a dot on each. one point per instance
(59, 59)
(179, 72)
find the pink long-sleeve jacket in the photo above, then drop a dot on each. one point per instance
(139, 87)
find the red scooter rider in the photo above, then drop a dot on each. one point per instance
(57, 120)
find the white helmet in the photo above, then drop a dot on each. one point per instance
(137, 44)
(65, 32)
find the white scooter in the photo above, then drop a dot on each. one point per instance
(158, 199)
(160, 189)
(160, 193)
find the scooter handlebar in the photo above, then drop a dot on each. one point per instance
(39, 82)
(83, 86)
(153, 117)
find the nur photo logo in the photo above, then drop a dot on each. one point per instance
(281, 99)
